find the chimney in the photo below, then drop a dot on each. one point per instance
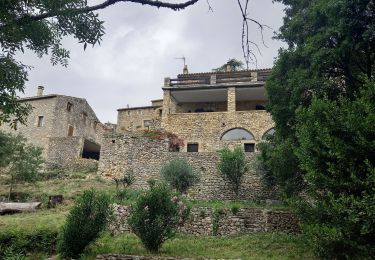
(185, 70)
(39, 93)
(229, 68)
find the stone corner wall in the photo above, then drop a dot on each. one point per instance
(201, 221)
(63, 150)
(146, 156)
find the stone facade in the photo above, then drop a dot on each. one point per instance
(139, 118)
(145, 157)
(206, 129)
(222, 222)
(199, 108)
(60, 125)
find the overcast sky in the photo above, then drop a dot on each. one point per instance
(140, 48)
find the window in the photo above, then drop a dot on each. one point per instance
(84, 117)
(268, 133)
(70, 130)
(69, 106)
(40, 121)
(95, 125)
(236, 134)
(147, 123)
(249, 148)
(192, 147)
(160, 112)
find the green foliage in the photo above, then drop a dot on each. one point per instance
(40, 26)
(321, 97)
(154, 217)
(233, 166)
(84, 223)
(234, 65)
(179, 174)
(20, 29)
(235, 209)
(247, 247)
(21, 161)
(16, 242)
(215, 220)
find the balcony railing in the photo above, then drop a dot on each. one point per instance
(184, 80)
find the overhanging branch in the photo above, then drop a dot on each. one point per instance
(155, 3)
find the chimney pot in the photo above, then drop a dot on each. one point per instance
(185, 70)
(40, 91)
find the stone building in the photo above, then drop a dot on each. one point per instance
(208, 110)
(140, 118)
(65, 127)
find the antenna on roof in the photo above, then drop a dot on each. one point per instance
(182, 58)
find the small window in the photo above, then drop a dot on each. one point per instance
(40, 121)
(95, 125)
(69, 106)
(70, 130)
(192, 148)
(249, 148)
(147, 123)
(84, 117)
(160, 112)
(113, 141)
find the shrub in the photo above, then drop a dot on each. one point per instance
(18, 159)
(84, 223)
(17, 241)
(233, 166)
(155, 216)
(179, 174)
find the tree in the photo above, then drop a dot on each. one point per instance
(89, 216)
(40, 26)
(21, 161)
(232, 164)
(234, 65)
(321, 99)
(179, 174)
(155, 216)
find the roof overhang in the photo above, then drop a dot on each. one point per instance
(193, 94)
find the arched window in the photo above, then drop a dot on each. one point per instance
(268, 133)
(236, 134)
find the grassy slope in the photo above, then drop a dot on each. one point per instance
(252, 246)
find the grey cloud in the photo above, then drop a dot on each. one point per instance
(140, 47)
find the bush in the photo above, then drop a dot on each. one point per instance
(84, 223)
(179, 174)
(233, 166)
(155, 216)
(18, 159)
(17, 241)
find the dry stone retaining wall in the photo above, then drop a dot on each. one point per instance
(201, 221)
(133, 257)
(146, 156)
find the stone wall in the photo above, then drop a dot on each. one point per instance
(63, 151)
(206, 129)
(146, 156)
(132, 119)
(52, 133)
(208, 221)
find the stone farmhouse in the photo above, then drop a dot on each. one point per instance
(208, 111)
(65, 127)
